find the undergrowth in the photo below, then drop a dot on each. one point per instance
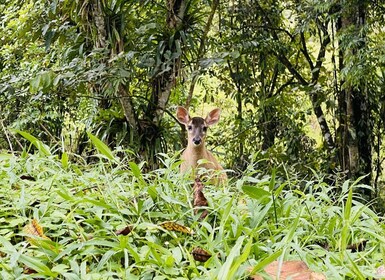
(251, 222)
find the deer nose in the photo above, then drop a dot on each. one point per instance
(197, 140)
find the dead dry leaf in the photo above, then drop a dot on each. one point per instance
(173, 226)
(199, 199)
(200, 254)
(357, 247)
(27, 177)
(35, 232)
(294, 270)
(124, 231)
(28, 270)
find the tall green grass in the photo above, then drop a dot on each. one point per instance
(252, 221)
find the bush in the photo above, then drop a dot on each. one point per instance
(110, 220)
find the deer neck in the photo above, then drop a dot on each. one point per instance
(198, 152)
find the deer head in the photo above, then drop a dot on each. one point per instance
(197, 127)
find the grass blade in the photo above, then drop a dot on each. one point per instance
(37, 265)
(43, 149)
(101, 147)
(242, 258)
(269, 259)
(224, 272)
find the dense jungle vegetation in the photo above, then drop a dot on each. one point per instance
(90, 145)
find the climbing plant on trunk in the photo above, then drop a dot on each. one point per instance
(356, 125)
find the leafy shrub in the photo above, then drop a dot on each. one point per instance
(107, 221)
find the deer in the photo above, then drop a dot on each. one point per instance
(196, 150)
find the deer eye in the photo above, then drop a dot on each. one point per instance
(189, 127)
(205, 128)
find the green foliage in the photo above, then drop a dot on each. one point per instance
(101, 147)
(252, 221)
(117, 69)
(43, 149)
(68, 64)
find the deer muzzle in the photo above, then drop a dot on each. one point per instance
(197, 141)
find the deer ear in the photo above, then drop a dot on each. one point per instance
(182, 115)
(213, 116)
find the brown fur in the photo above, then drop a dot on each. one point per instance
(196, 128)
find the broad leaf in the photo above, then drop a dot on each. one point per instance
(101, 147)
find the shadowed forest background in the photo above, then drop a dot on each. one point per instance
(90, 145)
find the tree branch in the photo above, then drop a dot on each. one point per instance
(320, 57)
(305, 51)
(291, 68)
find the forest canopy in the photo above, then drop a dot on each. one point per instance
(300, 83)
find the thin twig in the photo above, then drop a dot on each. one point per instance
(17, 141)
(49, 134)
(6, 135)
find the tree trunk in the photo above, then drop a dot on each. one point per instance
(355, 130)
(100, 24)
(163, 83)
(161, 91)
(201, 50)
(269, 119)
(128, 108)
(269, 128)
